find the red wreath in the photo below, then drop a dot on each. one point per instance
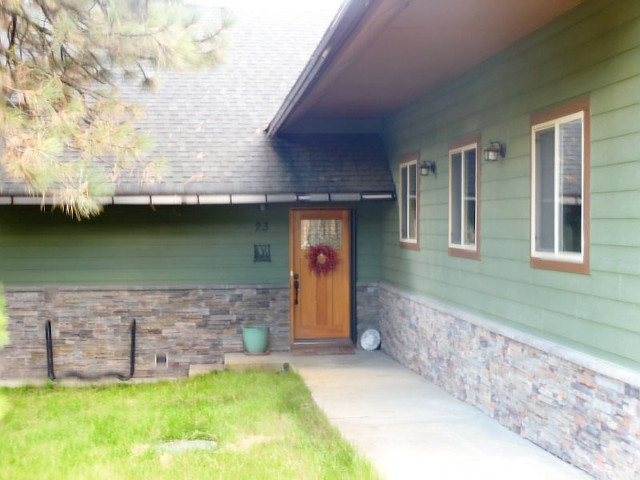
(322, 259)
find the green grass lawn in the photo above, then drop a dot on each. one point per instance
(266, 425)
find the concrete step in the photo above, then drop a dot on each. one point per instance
(275, 361)
(324, 347)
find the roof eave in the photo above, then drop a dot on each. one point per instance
(343, 25)
(214, 199)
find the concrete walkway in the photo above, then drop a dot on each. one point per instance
(409, 428)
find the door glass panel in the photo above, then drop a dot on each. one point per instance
(321, 232)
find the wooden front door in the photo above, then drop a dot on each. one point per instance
(320, 302)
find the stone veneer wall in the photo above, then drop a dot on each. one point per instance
(91, 327)
(584, 410)
(193, 325)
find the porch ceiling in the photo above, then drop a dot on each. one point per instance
(398, 50)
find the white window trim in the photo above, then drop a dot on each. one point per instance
(556, 255)
(406, 165)
(463, 246)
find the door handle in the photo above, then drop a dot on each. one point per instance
(296, 286)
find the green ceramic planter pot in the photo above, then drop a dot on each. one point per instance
(255, 339)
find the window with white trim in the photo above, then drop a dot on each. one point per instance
(558, 189)
(463, 205)
(409, 192)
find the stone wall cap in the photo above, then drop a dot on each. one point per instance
(137, 288)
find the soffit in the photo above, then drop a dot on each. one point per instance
(404, 48)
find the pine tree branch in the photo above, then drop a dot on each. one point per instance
(141, 35)
(55, 55)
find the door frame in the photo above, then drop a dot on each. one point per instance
(352, 268)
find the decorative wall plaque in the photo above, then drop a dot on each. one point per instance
(262, 253)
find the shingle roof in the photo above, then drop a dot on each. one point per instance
(209, 125)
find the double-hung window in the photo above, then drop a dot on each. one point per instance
(409, 202)
(463, 200)
(559, 189)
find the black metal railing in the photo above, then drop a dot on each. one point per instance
(123, 377)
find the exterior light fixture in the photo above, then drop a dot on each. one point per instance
(427, 168)
(494, 151)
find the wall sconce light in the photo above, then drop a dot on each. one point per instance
(427, 168)
(494, 151)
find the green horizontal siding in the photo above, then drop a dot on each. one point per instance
(593, 51)
(369, 219)
(138, 245)
(130, 245)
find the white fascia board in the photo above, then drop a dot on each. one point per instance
(31, 201)
(377, 196)
(318, 197)
(344, 197)
(166, 199)
(189, 199)
(28, 200)
(132, 200)
(214, 199)
(281, 197)
(174, 199)
(248, 199)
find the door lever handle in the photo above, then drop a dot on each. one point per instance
(296, 286)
